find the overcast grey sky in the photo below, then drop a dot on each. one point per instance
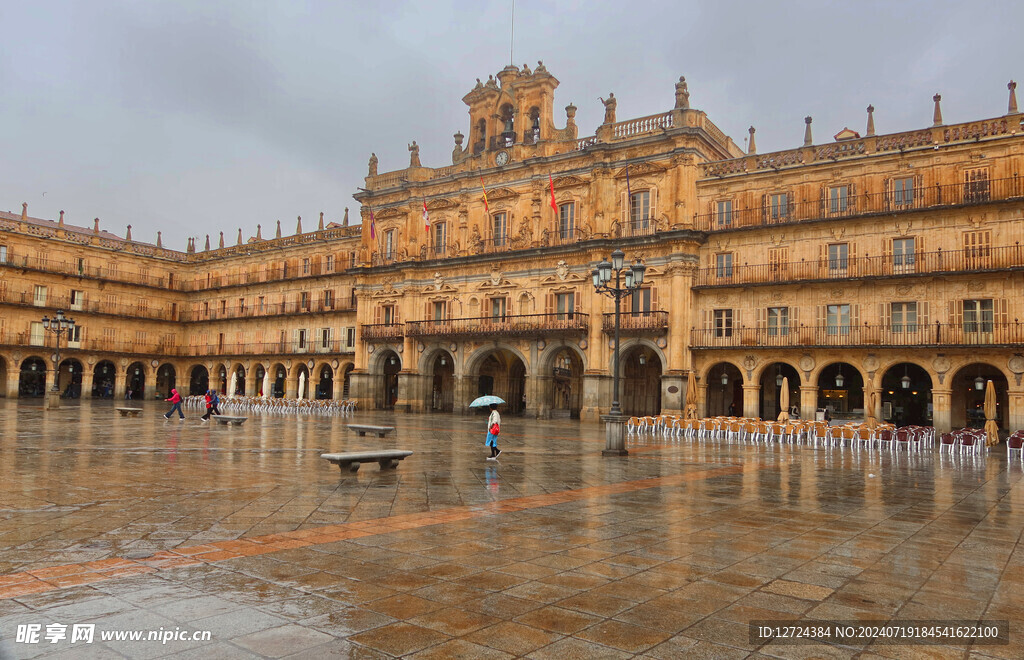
(198, 117)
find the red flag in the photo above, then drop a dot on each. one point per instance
(426, 217)
(373, 226)
(484, 188)
(554, 206)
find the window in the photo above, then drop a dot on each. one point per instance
(903, 192)
(837, 199)
(261, 304)
(723, 323)
(723, 264)
(329, 263)
(223, 307)
(305, 267)
(241, 305)
(3, 254)
(641, 301)
(978, 316)
(390, 315)
(206, 310)
(723, 213)
(440, 310)
(284, 269)
(325, 339)
(565, 305)
(778, 208)
(838, 319)
(329, 299)
(300, 340)
(640, 209)
(778, 261)
(499, 229)
(566, 221)
(36, 334)
(838, 256)
(440, 237)
(976, 186)
(778, 321)
(39, 297)
(904, 316)
(77, 299)
(498, 309)
(75, 336)
(352, 260)
(903, 253)
(81, 266)
(977, 249)
(304, 301)
(350, 338)
(389, 244)
(140, 338)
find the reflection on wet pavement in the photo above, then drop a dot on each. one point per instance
(142, 523)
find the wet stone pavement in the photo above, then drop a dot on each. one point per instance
(245, 535)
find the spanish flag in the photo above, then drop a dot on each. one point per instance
(554, 206)
(426, 217)
(484, 188)
(373, 226)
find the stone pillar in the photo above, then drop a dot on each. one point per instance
(532, 408)
(615, 435)
(591, 410)
(51, 400)
(149, 393)
(87, 381)
(942, 409)
(462, 398)
(360, 388)
(338, 390)
(702, 399)
(13, 379)
(751, 399)
(543, 396)
(120, 383)
(1014, 418)
(672, 403)
(410, 392)
(808, 401)
(252, 387)
(291, 383)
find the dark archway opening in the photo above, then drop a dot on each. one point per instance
(771, 391)
(199, 381)
(135, 382)
(640, 387)
(907, 395)
(724, 391)
(442, 383)
(103, 376)
(32, 381)
(841, 391)
(968, 400)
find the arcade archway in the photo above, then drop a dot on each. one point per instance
(236, 385)
(346, 384)
(841, 391)
(3, 377)
(640, 387)
(968, 400)
(302, 382)
(906, 395)
(135, 382)
(166, 380)
(566, 384)
(771, 390)
(103, 377)
(325, 383)
(32, 381)
(387, 392)
(259, 372)
(503, 374)
(278, 379)
(724, 391)
(441, 397)
(199, 380)
(69, 379)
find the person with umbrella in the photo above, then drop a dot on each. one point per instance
(493, 422)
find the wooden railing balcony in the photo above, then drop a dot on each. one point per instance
(159, 313)
(510, 325)
(29, 262)
(382, 331)
(637, 323)
(978, 333)
(566, 236)
(638, 227)
(940, 261)
(308, 347)
(266, 309)
(926, 197)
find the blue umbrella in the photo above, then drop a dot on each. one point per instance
(485, 401)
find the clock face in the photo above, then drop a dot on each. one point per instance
(501, 158)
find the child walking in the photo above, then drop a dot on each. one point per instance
(493, 429)
(175, 400)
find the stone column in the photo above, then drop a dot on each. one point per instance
(291, 383)
(542, 402)
(751, 398)
(120, 383)
(462, 398)
(942, 409)
(672, 403)
(702, 399)
(149, 378)
(591, 410)
(338, 390)
(532, 395)
(1014, 418)
(410, 392)
(360, 388)
(13, 379)
(252, 387)
(808, 401)
(87, 381)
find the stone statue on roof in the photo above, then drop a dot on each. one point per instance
(414, 155)
(491, 82)
(373, 164)
(479, 85)
(526, 70)
(682, 94)
(540, 67)
(609, 108)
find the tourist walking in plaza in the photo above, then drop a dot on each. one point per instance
(211, 405)
(175, 400)
(493, 429)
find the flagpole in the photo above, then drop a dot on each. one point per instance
(512, 38)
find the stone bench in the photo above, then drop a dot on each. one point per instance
(129, 412)
(229, 420)
(388, 458)
(363, 429)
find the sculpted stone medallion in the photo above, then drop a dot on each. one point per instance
(1016, 364)
(806, 363)
(941, 364)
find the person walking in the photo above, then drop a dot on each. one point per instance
(175, 400)
(214, 402)
(208, 398)
(493, 429)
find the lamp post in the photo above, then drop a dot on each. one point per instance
(628, 280)
(58, 325)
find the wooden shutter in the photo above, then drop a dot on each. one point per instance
(549, 303)
(764, 208)
(855, 316)
(794, 317)
(887, 255)
(956, 313)
(295, 340)
(736, 320)
(851, 197)
(885, 314)
(822, 314)
(377, 313)
(823, 207)
(999, 311)
(887, 195)
(923, 309)
(705, 323)
(654, 298)
(654, 199)
(762, 318)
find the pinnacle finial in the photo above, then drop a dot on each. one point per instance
(321, 227)
(128, 234)
(871, 121)
(259, 232)
(221, 244)
(298, 226)
(207, 247)
(807, 132)
(239, 236)
(60, 223)
(278, 234)
(1011, 108)
(751, 148)
(937, 114)
(159, 239)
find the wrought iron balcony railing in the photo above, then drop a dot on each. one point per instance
(637, 323)
(382, 331)
(515, 325)
(978, 333)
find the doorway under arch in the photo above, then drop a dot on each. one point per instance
(441, 397)
(724, 397)
(503, 374)
(640, 387)
(260, 374)
(906, 395)
(238, 376)
(135, 382)
(325, 384)
(968, 400)
(166, 380)
(103, 377)
(69, 379)
(771, 390)
(841, 391)
(566, 384)
(302, 382)
(278, 380)
(198, 381)
(3, 377)
(32, 380)
(387, 392)
(346, 385)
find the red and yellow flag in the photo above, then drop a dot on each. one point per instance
(554, 206)
(484, 188)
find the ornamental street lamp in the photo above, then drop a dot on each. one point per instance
(58, 325)
(628, 280)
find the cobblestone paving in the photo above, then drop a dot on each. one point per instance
(553, 551)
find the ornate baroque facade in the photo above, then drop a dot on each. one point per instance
(878, 263)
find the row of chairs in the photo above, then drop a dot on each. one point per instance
(1015, 443)
(265, 405)
(969, 441)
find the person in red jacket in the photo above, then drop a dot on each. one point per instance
(175, 400)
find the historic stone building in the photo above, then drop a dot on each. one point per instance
(868, 263)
